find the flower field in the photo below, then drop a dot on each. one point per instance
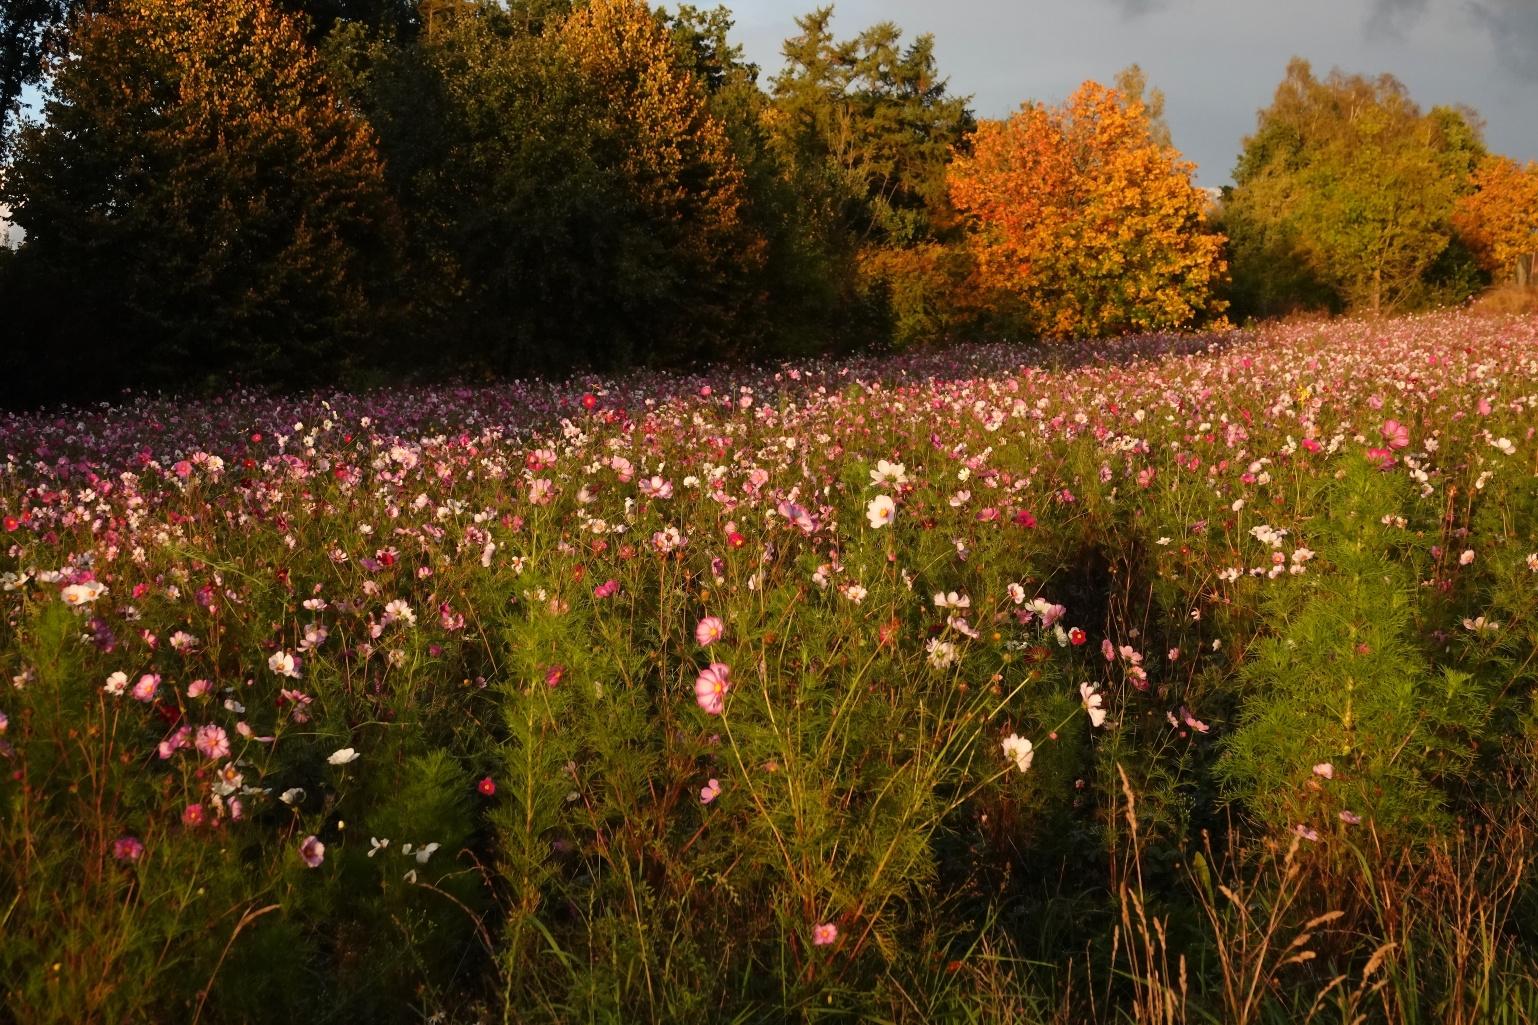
(1166, 678)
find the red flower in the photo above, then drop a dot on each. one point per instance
(487, 786)
(589, 401)
(736, 540)
(1025, 519)
(11, 523)
(1077, 636)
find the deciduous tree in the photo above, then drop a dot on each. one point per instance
(1085, 220)
(1499, 219)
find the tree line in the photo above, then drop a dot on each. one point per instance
(358, 191)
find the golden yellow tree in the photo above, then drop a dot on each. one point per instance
(1082, 218)
(1499, 220)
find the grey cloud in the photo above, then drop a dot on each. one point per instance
(1394, 17)
(1138, 8)
(1513, 28)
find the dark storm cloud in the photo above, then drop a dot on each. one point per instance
(1513, 28)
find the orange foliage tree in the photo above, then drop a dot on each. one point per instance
(1085, 222)
(1499, 220)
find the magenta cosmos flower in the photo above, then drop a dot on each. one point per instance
(212, 741)
(192, 815)
(312, 851)
(487, 786)
(709, 631)
(824, 934)
(711, 687)
(127, 848)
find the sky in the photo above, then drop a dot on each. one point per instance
(1217, 61)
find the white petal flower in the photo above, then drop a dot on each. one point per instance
(1019, 750)
(343, 756)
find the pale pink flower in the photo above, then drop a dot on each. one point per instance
(197, 688)
(1466, 558)
(709, 631)
(1108, 650)
(1324, 770)
(541, 491)
(1174, 654)
(824, 934)
(710, 791)
(1304, 832)
(711, 686)
(212, 741)
(144, 690)
(312, 851)
(1350, 818)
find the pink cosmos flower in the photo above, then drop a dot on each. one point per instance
(1324, 770)
(710, 791)
(127, 848)
(312, 851)
(1025, 519)
(1304, 832)
(824, 934)
(709, 631)
(1174, 654)
(192, 815)
(553, 676)
(1484, 407)
(212, 741)
(197, 688)
(1382, 458)
(487, 786)
(144, 690)
(1396, 434)
(183, 469)
(1350, 818)
(175, 742)
(711, 686)
(797, 515)
(605, 589)
(1108, 650)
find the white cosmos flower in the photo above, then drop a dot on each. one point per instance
(285, 664)
(292, 796)
(1019, 750)
(423, 853)
(952, 600)
(1017, 593)
(889, 473)
(941, 653)
(83, 594)
(881, 510)
(1092, 704)
(343, 756)
(376, 845)
(116, 683)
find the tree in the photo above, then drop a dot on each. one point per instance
(1081, 217)
(198, 203)
(571, 198)
(1345, 193)
(876, 117)
(1499, 219)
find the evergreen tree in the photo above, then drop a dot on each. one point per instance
(198, 205)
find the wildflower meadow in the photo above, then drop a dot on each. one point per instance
(1171, 678)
